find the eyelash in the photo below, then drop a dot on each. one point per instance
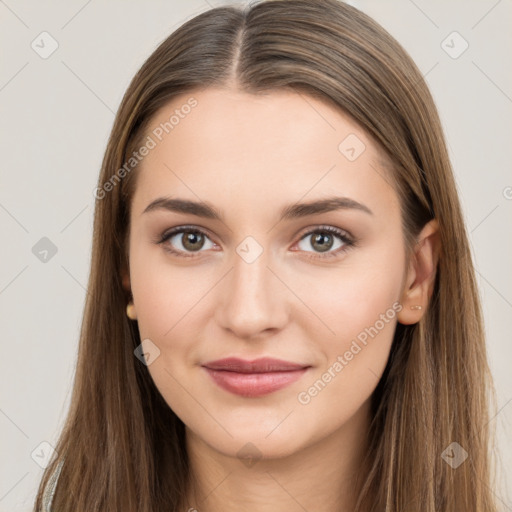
(348, 241)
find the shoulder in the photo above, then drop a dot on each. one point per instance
(50, 488)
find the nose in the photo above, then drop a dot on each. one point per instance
(253, 301)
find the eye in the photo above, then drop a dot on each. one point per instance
(187, 240)
(323, 240)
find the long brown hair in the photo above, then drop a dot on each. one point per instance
(122, 448)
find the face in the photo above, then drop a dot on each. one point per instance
(317, 288)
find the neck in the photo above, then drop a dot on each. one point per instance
(322, 476)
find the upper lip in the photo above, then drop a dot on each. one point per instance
(262, 365)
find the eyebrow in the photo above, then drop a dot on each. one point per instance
(294, 211)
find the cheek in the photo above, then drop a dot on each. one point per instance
(351, 297)
(358, 305)
(354, 360)
(165, 294)
(168, 304)
(172, 312)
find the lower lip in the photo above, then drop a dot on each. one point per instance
(254, 384)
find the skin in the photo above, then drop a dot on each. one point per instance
(250, 156)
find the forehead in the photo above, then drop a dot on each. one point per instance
(222, 145)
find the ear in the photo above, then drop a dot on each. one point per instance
(420, 279)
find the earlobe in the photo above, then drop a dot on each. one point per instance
(420, 281)
(130, 311)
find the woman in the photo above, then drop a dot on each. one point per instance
(282, 308)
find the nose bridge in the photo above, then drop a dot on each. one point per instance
(251, 301)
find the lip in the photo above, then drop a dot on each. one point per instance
(254, 378)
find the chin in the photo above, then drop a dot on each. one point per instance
(255, 441)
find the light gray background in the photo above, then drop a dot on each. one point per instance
(56, 116)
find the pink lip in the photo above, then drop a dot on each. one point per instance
(254, 378)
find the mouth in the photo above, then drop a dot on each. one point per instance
(254, 378)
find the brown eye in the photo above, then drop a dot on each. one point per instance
(192, 240)
(325, 238)
(185, 241)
